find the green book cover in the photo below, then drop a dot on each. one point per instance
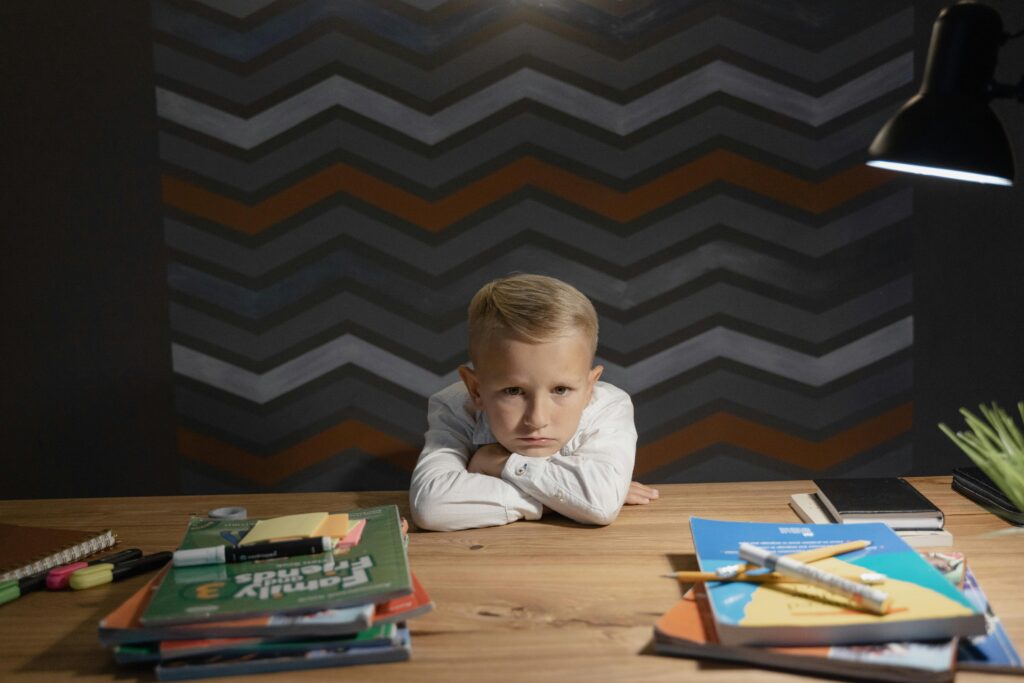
(379, 635)
(373, 571)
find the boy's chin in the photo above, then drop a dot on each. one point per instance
(537, 451)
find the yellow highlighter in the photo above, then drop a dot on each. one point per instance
(105, 572)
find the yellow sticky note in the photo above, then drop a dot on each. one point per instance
(335, 526)
(285, 528)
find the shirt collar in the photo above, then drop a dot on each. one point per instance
(482, 434)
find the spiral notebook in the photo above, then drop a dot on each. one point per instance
(26, 550)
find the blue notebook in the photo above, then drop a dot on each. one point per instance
(925, 606)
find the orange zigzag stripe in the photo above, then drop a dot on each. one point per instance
(813, 455)
(269, 470)
(719, 165)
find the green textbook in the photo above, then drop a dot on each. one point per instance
(373, 571)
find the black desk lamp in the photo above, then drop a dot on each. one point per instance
(948, 128)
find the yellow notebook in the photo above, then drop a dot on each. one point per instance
(302, 525)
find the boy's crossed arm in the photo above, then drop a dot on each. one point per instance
(445, 495)
(491, 459)
(589, 480)
(455, 487)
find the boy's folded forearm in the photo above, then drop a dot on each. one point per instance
(448, 501)
(589, 492)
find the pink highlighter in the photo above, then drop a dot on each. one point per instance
(58, 578)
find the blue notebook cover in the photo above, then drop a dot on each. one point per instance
(925, 606)
(993, 651)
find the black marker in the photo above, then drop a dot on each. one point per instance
(221, 554)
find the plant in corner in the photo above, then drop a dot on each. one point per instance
(996, 445)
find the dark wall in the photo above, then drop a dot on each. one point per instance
(969, 291)
(86, 400)
(86, 404)
(338, 182)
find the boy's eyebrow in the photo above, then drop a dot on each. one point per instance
(518, 381)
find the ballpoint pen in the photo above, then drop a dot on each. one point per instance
(812, 555)
(766, 577)
(739, 572)
(870, 598)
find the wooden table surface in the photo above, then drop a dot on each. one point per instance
(533, 601)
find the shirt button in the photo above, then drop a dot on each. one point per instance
(519, 471)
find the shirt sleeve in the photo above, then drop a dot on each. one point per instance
(443, 495)
(588, 481)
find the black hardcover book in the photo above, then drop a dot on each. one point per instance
(881, 499)
(976, 485)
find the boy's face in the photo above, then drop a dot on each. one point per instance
(532, 393)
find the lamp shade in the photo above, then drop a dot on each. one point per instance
(948, 128)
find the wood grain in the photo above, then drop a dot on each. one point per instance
(532, 601)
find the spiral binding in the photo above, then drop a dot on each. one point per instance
(67, 555)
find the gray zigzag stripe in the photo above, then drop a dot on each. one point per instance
(349, 470)
(811, 413)
(438, 346)
(529, 85)
(265, 387)
(441, 346)
(717, 343)
(336, 137)
(620, 293)
(296, 420)
(526, 40)
(243, 8)
(727, 463)
(814, 371)
(307, 415)
(454, 253)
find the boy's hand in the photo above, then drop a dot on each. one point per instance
(640, 494)
(489, 459)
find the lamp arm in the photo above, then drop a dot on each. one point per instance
(1007, 37)
(1006, 90)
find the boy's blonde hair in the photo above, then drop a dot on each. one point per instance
(536, 308)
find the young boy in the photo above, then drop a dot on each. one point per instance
(530, 426)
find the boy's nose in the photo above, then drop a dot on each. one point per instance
(536, 416)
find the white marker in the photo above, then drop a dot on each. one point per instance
(220, 554)
(871, 598)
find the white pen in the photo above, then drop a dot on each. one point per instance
(871, 598)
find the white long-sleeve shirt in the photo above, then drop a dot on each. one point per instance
(587, 480)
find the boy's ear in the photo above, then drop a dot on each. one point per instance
(592, 378)
(472, 383)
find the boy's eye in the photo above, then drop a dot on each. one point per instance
(512, 391)
(562, 391)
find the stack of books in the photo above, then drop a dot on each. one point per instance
(890, 500)
(938, 620)
(343, 607)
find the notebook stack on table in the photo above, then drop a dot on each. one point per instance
(342, 607)
(890, 500)
(938, 620)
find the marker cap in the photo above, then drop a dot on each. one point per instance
(9, 591)
(60, 577)
(92, 576)
(199, 556)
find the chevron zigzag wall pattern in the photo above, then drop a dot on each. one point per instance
(339, 177)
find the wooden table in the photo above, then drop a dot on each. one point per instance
(532, 601)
